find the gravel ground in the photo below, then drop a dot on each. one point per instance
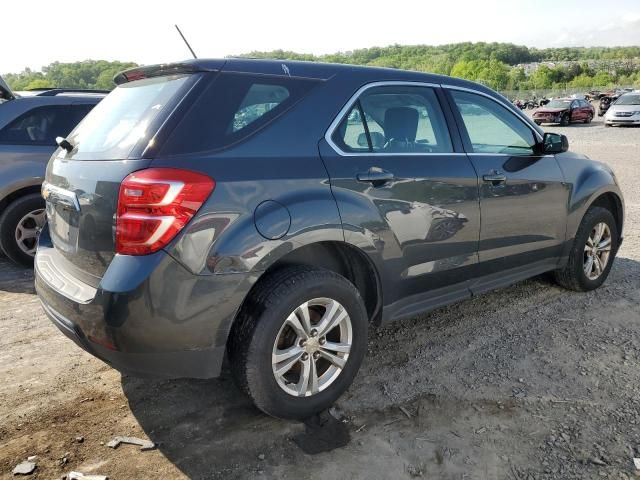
(528, 382)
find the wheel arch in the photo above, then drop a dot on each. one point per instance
(338, 256)
(607, 196)
(19, 192)
(344, 259)
(612, 202)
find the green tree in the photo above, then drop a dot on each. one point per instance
(95, 74)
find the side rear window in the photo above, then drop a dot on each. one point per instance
(232, 108)
(39, 126)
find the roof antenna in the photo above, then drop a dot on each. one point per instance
(185, 41)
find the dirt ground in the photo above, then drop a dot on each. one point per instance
(528, 382)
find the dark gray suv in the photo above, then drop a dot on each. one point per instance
(271, 212)
(29, 124)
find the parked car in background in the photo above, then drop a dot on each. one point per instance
(565, 111)
(29, 124)
(272, 211)
(624, 111)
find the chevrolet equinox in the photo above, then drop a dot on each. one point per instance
(271, 212)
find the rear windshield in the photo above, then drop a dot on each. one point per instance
(125, 117)
(232, 108)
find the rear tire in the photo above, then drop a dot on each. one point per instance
(264, 327)
(538, 122)
(574, 276)
(21, 215)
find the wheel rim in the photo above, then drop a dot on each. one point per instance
(597, 251)
(312, 347)
(28, 231)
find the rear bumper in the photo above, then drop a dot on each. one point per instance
(204, 363)
(170, 324)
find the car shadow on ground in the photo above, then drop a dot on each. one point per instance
(203, 426)
(15, 278)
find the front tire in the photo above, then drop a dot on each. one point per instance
(564, 121)
(20, 225)
(589, 118)
(592, 253)
(298, 341)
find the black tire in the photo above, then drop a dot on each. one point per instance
(564, 121)
(607, 125)
(538, 122)
(572, 276)
(589, 118)
(255, 330)
(9, 222)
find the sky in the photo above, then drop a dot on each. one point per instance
(143, 32)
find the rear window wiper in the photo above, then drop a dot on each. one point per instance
(64, 143)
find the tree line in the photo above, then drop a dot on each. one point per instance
(497, 65)
(93, 74)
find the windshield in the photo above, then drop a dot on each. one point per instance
(629, 99)
(116, 125)
(559, 104)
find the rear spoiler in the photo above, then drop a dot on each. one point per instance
(164, 69)
(5, 91)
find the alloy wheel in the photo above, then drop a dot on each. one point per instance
(312, 347)
(28, 230)
(597, 251)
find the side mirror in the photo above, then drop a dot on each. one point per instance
(554, 143)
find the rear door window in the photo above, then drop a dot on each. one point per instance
(394, 120)
(232, 108)
(39, 126)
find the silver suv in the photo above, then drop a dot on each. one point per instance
(29, 124)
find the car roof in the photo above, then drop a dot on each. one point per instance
(297, 68)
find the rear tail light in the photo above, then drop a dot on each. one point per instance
(155, 204)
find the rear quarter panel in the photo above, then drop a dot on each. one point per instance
(223, 238)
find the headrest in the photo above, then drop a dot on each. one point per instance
(401, 123)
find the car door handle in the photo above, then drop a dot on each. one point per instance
(375, 175)
(495, 178)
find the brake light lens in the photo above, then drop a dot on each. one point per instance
(155, 204)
